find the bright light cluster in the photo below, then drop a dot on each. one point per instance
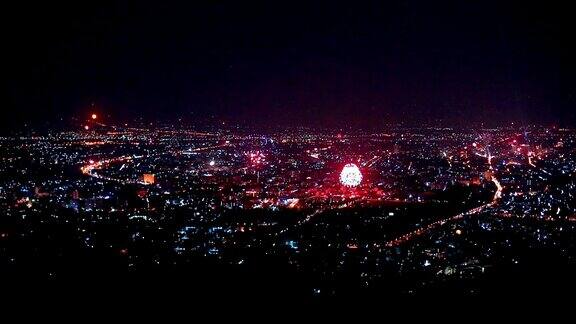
(350, 175)
(256, 158)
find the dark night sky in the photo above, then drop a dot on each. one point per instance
(309, 62)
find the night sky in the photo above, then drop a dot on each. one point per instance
(315, 63)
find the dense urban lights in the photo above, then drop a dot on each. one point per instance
(256, 158)
(208, 194)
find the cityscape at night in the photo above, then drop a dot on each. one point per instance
(220, 150)
(419, 207)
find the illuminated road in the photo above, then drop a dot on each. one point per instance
(370, 163)
(423, 230)
(306, 219)
(90, 168)
(301, 222)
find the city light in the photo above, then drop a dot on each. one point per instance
(94, 116)
(439, 193)
(256, 158)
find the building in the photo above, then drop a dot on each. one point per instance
(149, 178)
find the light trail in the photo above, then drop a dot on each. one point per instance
(530, 162)
(423, 230)
(89, 168)
(370, 163)
(307, 219)
(301, 222)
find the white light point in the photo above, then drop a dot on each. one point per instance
(350, 175)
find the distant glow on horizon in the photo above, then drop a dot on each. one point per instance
(350, 175)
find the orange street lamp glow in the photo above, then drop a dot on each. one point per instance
(94, 116)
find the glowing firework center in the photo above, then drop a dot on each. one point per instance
(350, 175)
